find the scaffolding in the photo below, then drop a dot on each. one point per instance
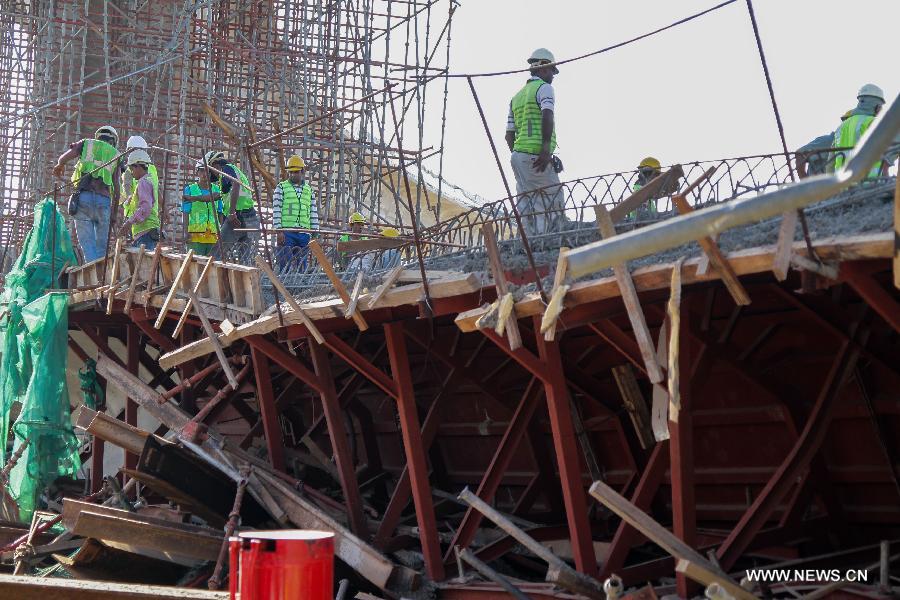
(345, 84)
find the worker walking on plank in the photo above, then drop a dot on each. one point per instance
(294, 206)
(239, 209)
(202, 213)
(870, 101)
(96, 185)
(141, 208)
(531, 137)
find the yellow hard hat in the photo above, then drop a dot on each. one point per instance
(649, 162)
(357, 218)
(390, 232)
(295, 163)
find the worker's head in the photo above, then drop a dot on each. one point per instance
(296, 168)
(390, 232)
(541, 64)
(107, 134)
(357, 221)
(871, 98)
(649, 168)
(138, 163)
(202, 175)
(215, 158)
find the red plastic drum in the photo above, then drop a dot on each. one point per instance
(290, 564)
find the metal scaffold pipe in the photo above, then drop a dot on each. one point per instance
(600, 255)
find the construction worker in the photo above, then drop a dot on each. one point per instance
(355, 260)
(293, 206)
(390, 257)
(647, 170)
(531, 137)
(870, 100)
(816, 157)
(239, 209)
(128, 182)
(141, 208)
(202, 213)
(96, 185)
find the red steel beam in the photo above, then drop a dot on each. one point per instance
(415, 453)
(869, 290)
(565, 442)
(626, 536)
(267, 410)
(285, 360)
(334, 418)
(142, 320)
(361, 364)
(493, 475)
(522, 355)
(619, 341)
(794, 464)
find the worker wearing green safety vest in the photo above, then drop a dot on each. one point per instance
(531, 137)
(294, 207)
(96, 185)
(202, 212)
(648, 169)
(238, 205)
(142, 206)
(870, 101)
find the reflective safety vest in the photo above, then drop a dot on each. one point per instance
(202, 217)
(93, 154)
(295, 210)
(848, 135)
(245, 198)
(527, 116)
(651, 204)
(130, 206)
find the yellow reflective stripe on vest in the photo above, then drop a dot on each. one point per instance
(99, 159)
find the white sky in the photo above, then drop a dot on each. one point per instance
(694, 92)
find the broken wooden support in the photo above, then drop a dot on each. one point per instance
(336, 282)
(49, 588)
(661, 536)
(707, 578)
(781, 260)
(154, 403)
(276, 282)
(389, 281)
(555, 306)
(630, 299)
(111, 430)
(114, 274)
(211, 334)
(354, 296)
(673, 309)
(559, 572)
(493, 252)
(151, 274)
(634, 403)
(134, 279)
(187, 307)
(164, 309)
(505, 308)
(490, 574)
(825, 270)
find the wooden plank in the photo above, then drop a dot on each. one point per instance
(660, 186)
(548, 323)
(213, 338)
(175, 283)
(799, 261)
(111, 430)
(631, 301)
(505, 308)
(716, 259)
(657, 277)
(132, 535)
(154, 267)
(304, 318)
(659, 405)
(781, 259)
(114, 275)
(634, 403)
(673, 311)
(389, 281)
(134, 279)
(498, 273)
(652, 530)
(336, 282)
(187, 309)
(150, 400)
(48, 588)
(459, 284)
(701, 574)
(354, 297)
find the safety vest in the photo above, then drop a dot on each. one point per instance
(295, 210)
(202, 217)
(527, 116)
(651, 204)
(151, 222)
(95, 153)
(848, 135)
(245, 198)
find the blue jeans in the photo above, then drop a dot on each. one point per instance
(293, 252)
(146, 240)
(92, 224)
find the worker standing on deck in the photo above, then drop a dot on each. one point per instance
(294, 206)
(202, 213)
(141, 208)
(870, 101)
(239, 209)
(96, 185)
(647, 171)
(359, 260)
(531, 137)
(134, 142)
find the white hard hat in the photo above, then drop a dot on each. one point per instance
(107, 130)
(214, 155)
(542, 56)
(139, 157)
(870, 89)
(136, 141)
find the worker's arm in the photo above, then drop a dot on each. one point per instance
(145, 205)
(116, 189)
(277, 202)
(185, 218)
(510, 129)
(800, 163)
(72, 153)
(543, 159)
(313, 214)
(510, 139)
